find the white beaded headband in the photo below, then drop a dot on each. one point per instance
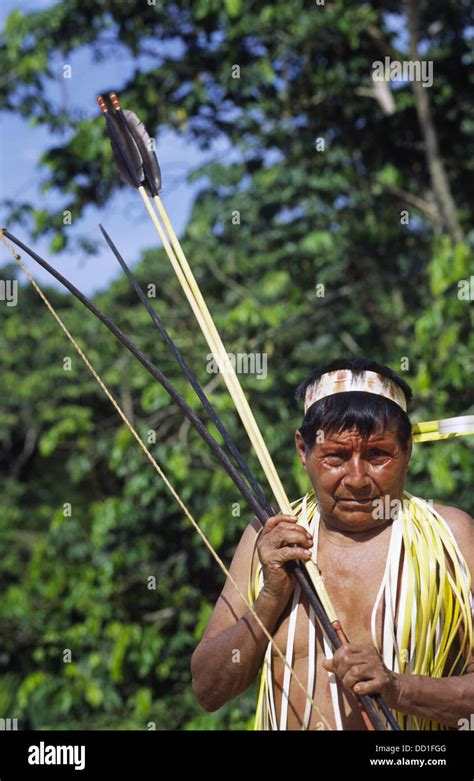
(344, 380)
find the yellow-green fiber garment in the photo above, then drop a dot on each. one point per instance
(425, 619)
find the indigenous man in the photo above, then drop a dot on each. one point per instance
(397, 570)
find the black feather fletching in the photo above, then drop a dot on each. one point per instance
(146, 148)
(125, 150)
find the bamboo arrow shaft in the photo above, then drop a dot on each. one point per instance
(203, 316)
(229, 375)
(201, 311)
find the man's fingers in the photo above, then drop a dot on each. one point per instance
(359, 671)
(276, 519)
(368, 687)
(355, 675)
(282, 538)
(284, 527)
(290, 536)
(359, 668)
(351, 654)
(282, 521)
(290, 554)
(353, 649)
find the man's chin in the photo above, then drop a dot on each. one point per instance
(356, 516)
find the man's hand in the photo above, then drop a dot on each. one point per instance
(362, 671)
(281, 540)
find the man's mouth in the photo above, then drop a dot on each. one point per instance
(356, 502)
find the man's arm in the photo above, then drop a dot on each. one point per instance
(231, 651)
(445, 700)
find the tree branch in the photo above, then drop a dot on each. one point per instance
(384, 45)
(428, 209)
(439, 179)
(29, 445)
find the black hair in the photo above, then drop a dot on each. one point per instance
(365, 412)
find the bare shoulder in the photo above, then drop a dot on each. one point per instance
(241, 565)
(248, 540)
(462, 527)
(458, 520)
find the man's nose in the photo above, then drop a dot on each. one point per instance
(356, 474)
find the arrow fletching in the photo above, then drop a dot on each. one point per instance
(124, 148)
(144, 143)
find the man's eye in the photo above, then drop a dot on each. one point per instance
(378, 454)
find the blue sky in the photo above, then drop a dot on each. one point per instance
(22, 144)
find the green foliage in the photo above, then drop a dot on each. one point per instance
(97, 559)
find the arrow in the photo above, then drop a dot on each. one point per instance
(203, 316)
(446, 428)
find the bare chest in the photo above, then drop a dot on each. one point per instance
(352, 577)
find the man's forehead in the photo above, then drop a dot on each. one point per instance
(348, 435)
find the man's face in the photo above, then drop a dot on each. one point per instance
(351, 476)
